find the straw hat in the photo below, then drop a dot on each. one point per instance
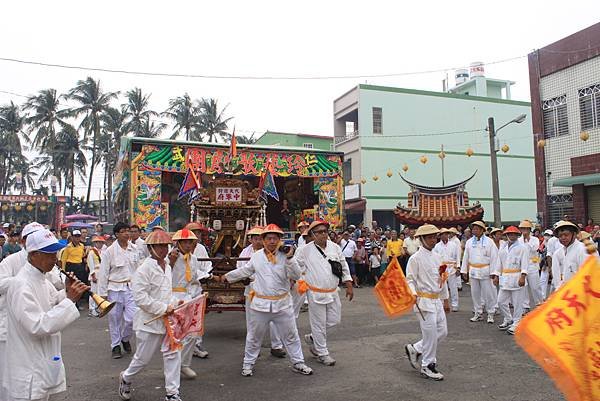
(479, 224)
(184, 234)
(563, 224)
(512, 230)
(526, 224)
(495, 230)
(256, 230)
(426, 229)
(98, 238)
(272, 229)
(453, 230)
(584, 235)
(445, 230)
(158, 237)
(317, 223)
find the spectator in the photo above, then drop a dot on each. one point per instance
(394, 248)
(99, 230)
(348, 248)
(384, 256)
(411, 244)
(333, 237)
(2, 242)
(361, 262)
(374, 225)
(374, 264)
(64, 236)
(286, 214)
(590, 226)
(85, 239)
(11, 246)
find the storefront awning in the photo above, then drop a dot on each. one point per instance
(355, 205)
(587, 180)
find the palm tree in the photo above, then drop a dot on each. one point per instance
(186, 116)
(212, 121)
(12, 160)
(44, 119)
(28, 175)
(113, 129)
(137, 112)
(243, 139)
(93, 103)
(151, 129)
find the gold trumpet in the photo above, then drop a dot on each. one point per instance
(103, 306)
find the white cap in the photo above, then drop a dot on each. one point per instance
(31, 227)
(5, 225)
(43, 241)
(549, 232)
(76, 232)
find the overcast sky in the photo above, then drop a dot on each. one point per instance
(274, 38)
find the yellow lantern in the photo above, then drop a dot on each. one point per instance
(584, 136)
(363, 181)
(17, 207)
(405, 167)
(29, 208)
(389, 173)
(505, 148)
(375, 178)
(423, 159)
(541, 143)
(470, 151)
(5, 207)
(442, 155)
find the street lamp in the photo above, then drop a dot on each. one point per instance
(495, 186)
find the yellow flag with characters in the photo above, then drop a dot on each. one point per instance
(563, 334)
(392, 291)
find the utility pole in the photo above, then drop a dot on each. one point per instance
(495, 185)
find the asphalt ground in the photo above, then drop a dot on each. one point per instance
(479, 362)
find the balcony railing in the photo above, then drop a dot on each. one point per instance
(347, 137)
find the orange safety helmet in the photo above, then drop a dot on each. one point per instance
(272, 229)
(184, 234)
(256, 230)
(512, 230)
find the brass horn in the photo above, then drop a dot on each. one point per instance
(103, 306)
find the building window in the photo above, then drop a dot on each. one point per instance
(589, 106)
(555, 117)
(347, 170)
(308, 145)
(377, 120)
(560, 207)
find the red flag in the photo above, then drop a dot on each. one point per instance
(233, 145)
(188, 319)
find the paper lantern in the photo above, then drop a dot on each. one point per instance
(363, 181)
(375, 178)
(351, 182)
(389, 173)
(442, 155)
(470, 151)
(405, 167)
(505, 148)
(423, 159)
(29, 208)
(584, 136)
(541, 143)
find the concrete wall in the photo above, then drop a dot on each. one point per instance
(285, 139)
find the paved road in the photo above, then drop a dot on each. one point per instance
(478, 361)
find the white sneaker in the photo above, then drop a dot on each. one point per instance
(477, 317)
(302, 369)
(188, 373)
(504, 326)
(247, 371)
(200, 352)
(309, 340)
(455, 309)
(490, 318)
(124, 388)
(326, 360)
(431, 372)
(511, 330)
(173, 397)
(413, 356)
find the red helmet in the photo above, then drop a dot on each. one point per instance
(184, 234)
(512, 230)
(272, 229)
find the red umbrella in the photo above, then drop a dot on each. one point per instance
(80, 217)
(77, 224)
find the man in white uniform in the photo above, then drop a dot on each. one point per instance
(514, 268)
(142, 249)
(93, 264)
(119, 262)
(552, 244)
(450, 254)
(533, 274)
(571, 254)
(270, 299)
(37, 313)
(453, 237)
(479, 260)
(321, 286)
(424, 279)
(152, 284)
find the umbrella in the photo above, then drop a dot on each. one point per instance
(78, 224)
(80, 217)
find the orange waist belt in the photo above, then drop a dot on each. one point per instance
(511, 270)
(179, 289)
(427, 295)
(253, 294)
(478, 265)
(303, 286)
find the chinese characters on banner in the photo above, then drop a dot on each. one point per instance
(188, 319)
(228, 195)
(563, 334)
(392, 291)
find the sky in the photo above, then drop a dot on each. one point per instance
(274, 39)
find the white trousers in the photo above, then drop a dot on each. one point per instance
(147, 344)
(274, 336)
(483, 293)
(187, 352)
(535, 288)
(285, 325)
(453, 281)
(514, 297)
(298, 300)
(433, 329)
(544, 277)
(322, 317)
(3, 394)
(120, 318)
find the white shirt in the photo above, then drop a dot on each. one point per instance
(246, 253)
(269, 279)
(423, 276)
(117, 268)
(179, 280)
(142, 249)
(552, 245)
(152, 294)
(411, 245)
(450, 254)
(566, 262)
(348, 250)
(459, 245)
(513, 257)
(301, 241)
(532, 245)
(317, 270)
(480, 252)
(37, 313)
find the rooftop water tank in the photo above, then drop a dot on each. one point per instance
(477, 69)
(461, 76)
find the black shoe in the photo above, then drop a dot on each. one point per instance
(126, 347)
(278, 353)
(116, 352)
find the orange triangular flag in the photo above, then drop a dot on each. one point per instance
(392, 291)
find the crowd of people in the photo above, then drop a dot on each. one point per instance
(42, 284)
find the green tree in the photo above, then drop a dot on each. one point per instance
(92, 104)
(151, 129)
(113, 129)
(12, 160)
(185, 113)
(212, 121)
(247, 140)
(137, 112)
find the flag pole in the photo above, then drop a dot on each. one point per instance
(174, 309)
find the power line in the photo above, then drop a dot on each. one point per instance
(241, 77)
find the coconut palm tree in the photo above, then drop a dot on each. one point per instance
(150, 129)
(113, 129)
(212, 121)
(243, 139)
(186, 115)
(137, 111)
(92, 104)
(12, 160)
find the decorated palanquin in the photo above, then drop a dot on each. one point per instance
(445, 206)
